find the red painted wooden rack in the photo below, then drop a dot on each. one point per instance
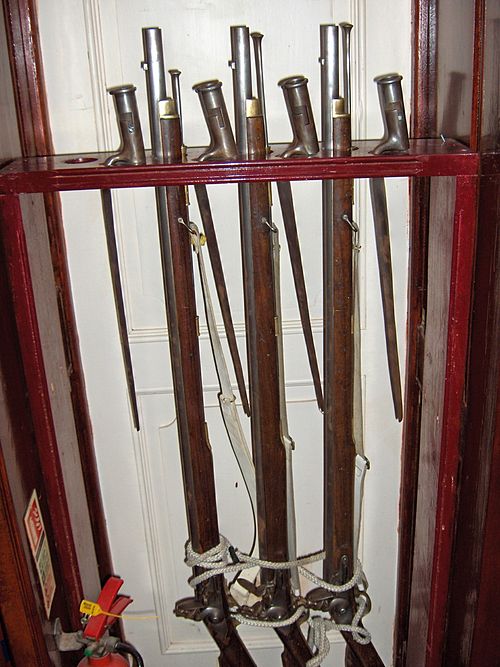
(427, 157)
(454, 171)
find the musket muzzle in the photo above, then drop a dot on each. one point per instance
(242, 81)
(298, 104)
(155, 82)
(131, 149)
(329, 62)
(222, 143)
(346, 63)
(390, 95)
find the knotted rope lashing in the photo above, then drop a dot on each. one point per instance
(319, 626)
(224, 558)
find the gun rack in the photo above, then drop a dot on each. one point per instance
(453, 170)
(426, 157)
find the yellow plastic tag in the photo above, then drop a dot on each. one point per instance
(93, 609)
(90, 608)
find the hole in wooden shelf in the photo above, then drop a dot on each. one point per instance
(80, 160)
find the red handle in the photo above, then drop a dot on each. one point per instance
(108, 601)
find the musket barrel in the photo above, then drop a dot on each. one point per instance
(175, 76)
(240, 63)
(346, 64)
(155, 83)
(242, 91)
(257, 38)
(329, 61)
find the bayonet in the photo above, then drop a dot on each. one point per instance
(114, 266)
(220, 286)
(305, 143)
(222, 147)
(395, 139)
(131, 152)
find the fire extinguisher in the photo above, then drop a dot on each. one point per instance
(101, 649)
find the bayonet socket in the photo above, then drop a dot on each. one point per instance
(131, 149)
(222, 144)
(298, 105)
(390, 94)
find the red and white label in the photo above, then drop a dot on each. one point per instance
(37, 538)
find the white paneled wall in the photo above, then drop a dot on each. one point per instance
(89, 45)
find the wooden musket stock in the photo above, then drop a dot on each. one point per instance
(210, 603)
(268, 449)
(339, 446)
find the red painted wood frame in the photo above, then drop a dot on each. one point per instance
(22, 40)
(427, 157)
(424, 124)
(455, 60)
(453, 170)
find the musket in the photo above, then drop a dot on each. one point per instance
(209, 603)
(339, 446)
(395, 139)
(286, 438)
(362, 463)
(131, 152)
(288, 214)
(269, 453)
(273, 497)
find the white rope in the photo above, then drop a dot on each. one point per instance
(218, 561)
(319, 626)
(257, 623)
